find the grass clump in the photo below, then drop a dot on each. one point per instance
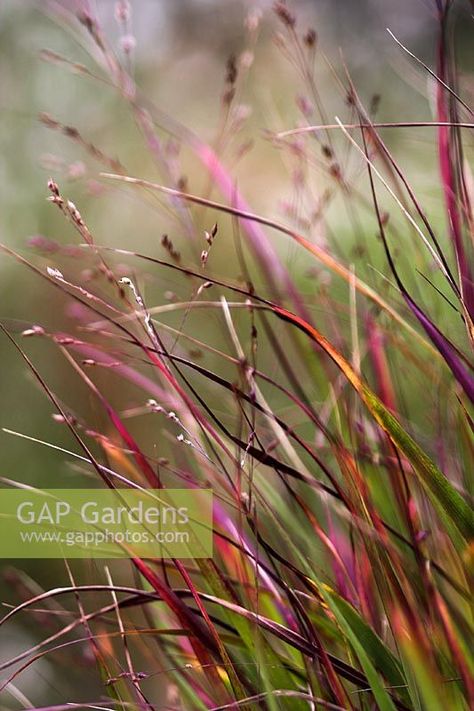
(343, 519)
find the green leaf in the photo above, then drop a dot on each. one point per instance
(380, 656)
(357, 636)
